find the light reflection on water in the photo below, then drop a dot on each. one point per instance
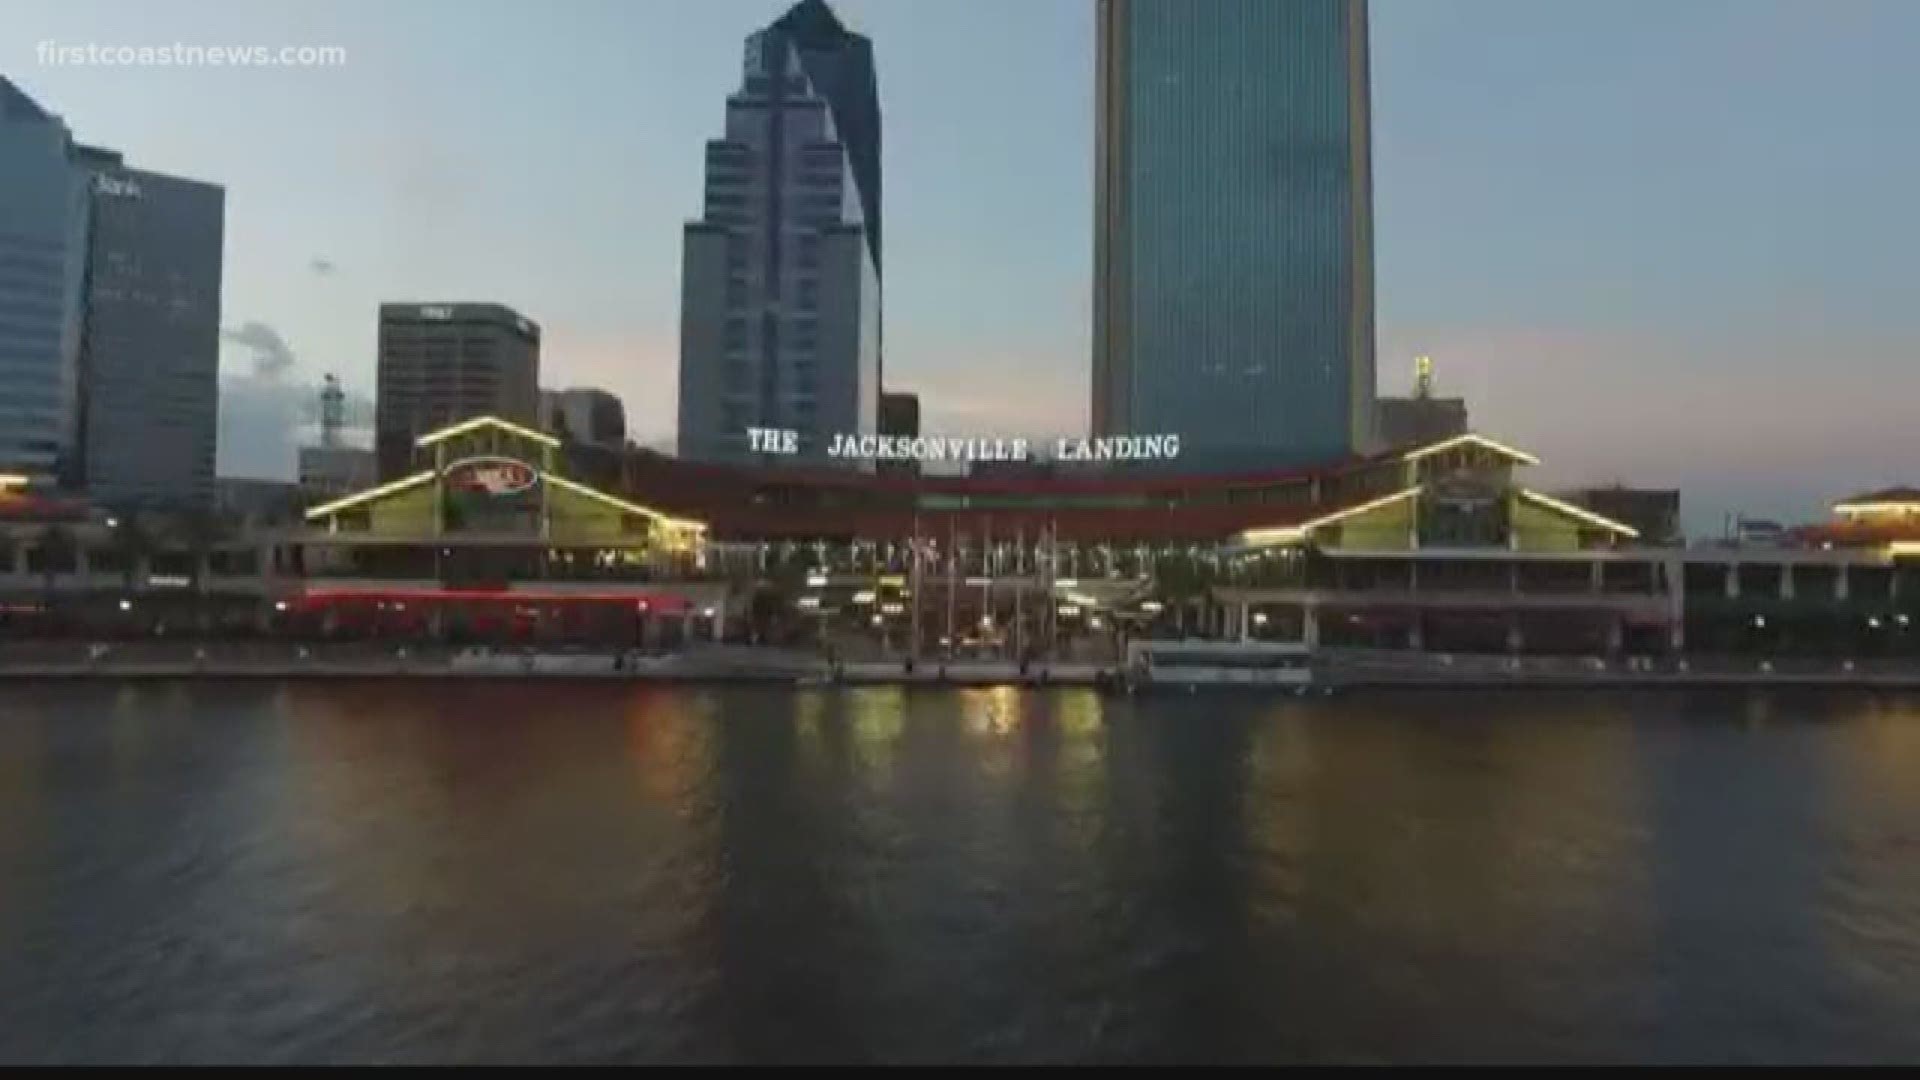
(499, 872)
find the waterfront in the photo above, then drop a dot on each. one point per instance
(406, 871)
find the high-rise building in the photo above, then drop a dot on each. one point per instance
(1233, 291)
(780, 280)
(43, 221)
(150, 352)
(586, 416)
(900, 414)
(1425, 417)
(441, 363)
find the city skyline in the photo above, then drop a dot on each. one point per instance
(1699, 209)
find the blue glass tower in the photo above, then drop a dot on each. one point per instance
(1233, 282)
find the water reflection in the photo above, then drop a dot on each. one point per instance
(412, 872)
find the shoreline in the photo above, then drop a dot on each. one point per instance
(955, 676)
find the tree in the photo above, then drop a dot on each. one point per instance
(202, 532)
(58, 548)
(135, 544)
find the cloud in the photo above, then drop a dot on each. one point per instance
(272, 358)
(322, 267)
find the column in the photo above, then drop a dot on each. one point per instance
(19, 565)
(1310, 626)
(1786, 581)
(1616, 636)
(1416, 634)
(1733, 581)
(1516, 639)
(1245, 630)
(1840, 587)
(720, 618)
(1676, 605)
(1596, 576)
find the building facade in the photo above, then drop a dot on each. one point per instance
(331, 471)
(1422, 417)
(1653, 512)
(587, 416)
(43, 219)
(150, 353)
(1233, 280)
(780, 280)
(441, 363)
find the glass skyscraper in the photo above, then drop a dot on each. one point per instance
(43, 258)
(1233, 291)
(780, 279)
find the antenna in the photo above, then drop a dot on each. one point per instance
(333, 412)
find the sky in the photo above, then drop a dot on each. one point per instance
(1661, 242)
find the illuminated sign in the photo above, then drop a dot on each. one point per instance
(948, 448)
(494, 476)
(433, 312)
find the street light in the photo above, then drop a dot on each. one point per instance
(126, 605)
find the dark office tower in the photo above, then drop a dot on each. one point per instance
(150, 342)
(1233, 279)
(900, 418)
(900, 414)
(780, 282)
(447, 362)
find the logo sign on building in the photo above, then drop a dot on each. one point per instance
(436, 311)
(491, 476)
(968, 449)
(116, 186)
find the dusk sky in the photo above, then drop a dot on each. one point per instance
(1669, 242)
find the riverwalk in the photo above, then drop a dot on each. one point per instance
(741, 664)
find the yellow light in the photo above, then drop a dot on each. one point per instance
(892, 580)
(1294, 534)
(1903, 547)
(623, 505)
(1878, 507)
(1470, 438)
(479, 422)
(1581, 513)
(10, 481)
(351, 501)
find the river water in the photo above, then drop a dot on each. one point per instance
(467, 872)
